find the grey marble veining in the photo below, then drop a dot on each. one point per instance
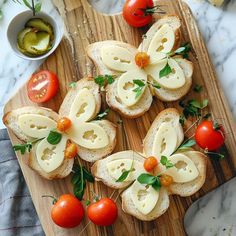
(214, 214)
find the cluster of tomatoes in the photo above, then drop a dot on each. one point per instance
(68, 211)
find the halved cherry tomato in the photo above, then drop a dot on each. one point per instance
(138, 13)
(103, 212)
(209, 135)
(166, 180)
(67, 211)
(42, 86)
(150, 163)
(71, 150)
(142, 59)
(63, 124)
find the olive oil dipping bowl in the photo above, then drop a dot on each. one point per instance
(17, 24)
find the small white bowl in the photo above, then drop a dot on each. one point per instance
(18, 23)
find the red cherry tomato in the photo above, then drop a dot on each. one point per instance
(67, 212)
(42, 86)
(209, 137)
(137, 12)
(103, 212)
(150, 163)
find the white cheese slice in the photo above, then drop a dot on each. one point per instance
(36, 126)
(89, 135)
(125, 86)
(161, 44)
(174, 80)
(184, 169)
(144, 197)
(49, 156)
(118, 58)
(117, 167)
(83, 107)
(165, 141)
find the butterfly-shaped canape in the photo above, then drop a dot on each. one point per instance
(180, 169)
(155, 68)
(38, 127)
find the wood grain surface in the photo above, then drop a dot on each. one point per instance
(70, 62)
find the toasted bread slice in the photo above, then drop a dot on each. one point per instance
(168, 115)
(160, 208)
(189, 188)
(110, 128)
(61, 172)
(134, 111)
(173, 21)
(10, 119)
(70, 96)
(99, 169)
(168, 95)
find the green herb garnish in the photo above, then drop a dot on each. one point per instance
(165, 71)
(186, 145)
(32, 6)
(103, 80)
(25, 146)
(125, 174)
(148, 179)
(165, 162)
(140, 85)
(183, 50)
(79, 178)
(198, 88)
(54, 137)
(73, 84)
(102, 114)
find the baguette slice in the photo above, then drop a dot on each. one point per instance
(167, 95)
(168, 115)
(94, 52)
(10, 119)
(189, 188)
(160, 208)
(85, 153)
(99, 169)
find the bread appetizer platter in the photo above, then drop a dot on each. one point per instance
(135, 125)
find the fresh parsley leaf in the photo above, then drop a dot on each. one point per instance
(139, 82)
(216, 126)
(155, 85)
(54, 137)
(157, 184)
(125, 174)
(181, 120)
(215, 154)
(146, 179)
(183, 50)
(165, 162)
(72, 85)
(103, 80)
(187, 144)
(37, 7)
(102, 114)
(198, 88)
(25, 146)
(165, 71)
(140, 85)
(204, 103)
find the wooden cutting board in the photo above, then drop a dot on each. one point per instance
(86, 26)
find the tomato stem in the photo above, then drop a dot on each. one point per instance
(149, 11)
(54, 199)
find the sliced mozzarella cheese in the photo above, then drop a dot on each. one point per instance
(83, 107)
(49, 156)
(165, 140)
(117, 167)
(36, 126)
(184, 169)
(118, 58)
(89, 135)
(144, 197)
(174, 80)
(161, 44)
(126, 86)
